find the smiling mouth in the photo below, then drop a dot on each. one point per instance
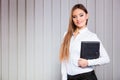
(79, 22)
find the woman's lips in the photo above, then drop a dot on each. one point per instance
(79, 22)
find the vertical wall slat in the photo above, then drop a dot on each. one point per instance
(108, 26)
(0, 45)
(12, 40)
(5, 37)
(100, 18)
(91, 7)
(39, 67)
(21, 41)
(64, 16)
(30, 40)
(100, 32)
(116, 39)
(47, 39)
(55, 39)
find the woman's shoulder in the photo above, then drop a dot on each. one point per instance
(92, 35)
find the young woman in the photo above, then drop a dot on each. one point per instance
(72, 66)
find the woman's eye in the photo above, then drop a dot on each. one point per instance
(81, 15)
(74, 16)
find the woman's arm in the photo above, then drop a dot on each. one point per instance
(103, 59)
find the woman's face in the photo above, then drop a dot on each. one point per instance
(79, 18)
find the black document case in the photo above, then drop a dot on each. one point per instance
(90, 49)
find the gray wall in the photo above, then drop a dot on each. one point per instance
(31, 32)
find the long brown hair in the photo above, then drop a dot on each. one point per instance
(64, 49)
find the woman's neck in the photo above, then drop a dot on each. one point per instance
(79, 29)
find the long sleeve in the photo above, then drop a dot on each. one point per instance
(103, 59)
(75, 61)
(63, 71)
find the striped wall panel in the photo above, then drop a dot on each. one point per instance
(31, 32)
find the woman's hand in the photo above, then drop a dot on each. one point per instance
(82, 62)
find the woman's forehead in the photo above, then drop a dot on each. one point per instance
(77, 11)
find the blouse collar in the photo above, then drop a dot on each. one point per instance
(83, 30)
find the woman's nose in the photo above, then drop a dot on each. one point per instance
(78, 18)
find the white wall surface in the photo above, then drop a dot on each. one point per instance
(31, 32)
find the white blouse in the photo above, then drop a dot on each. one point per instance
(71, 66)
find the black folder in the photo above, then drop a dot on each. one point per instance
(90, 49)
